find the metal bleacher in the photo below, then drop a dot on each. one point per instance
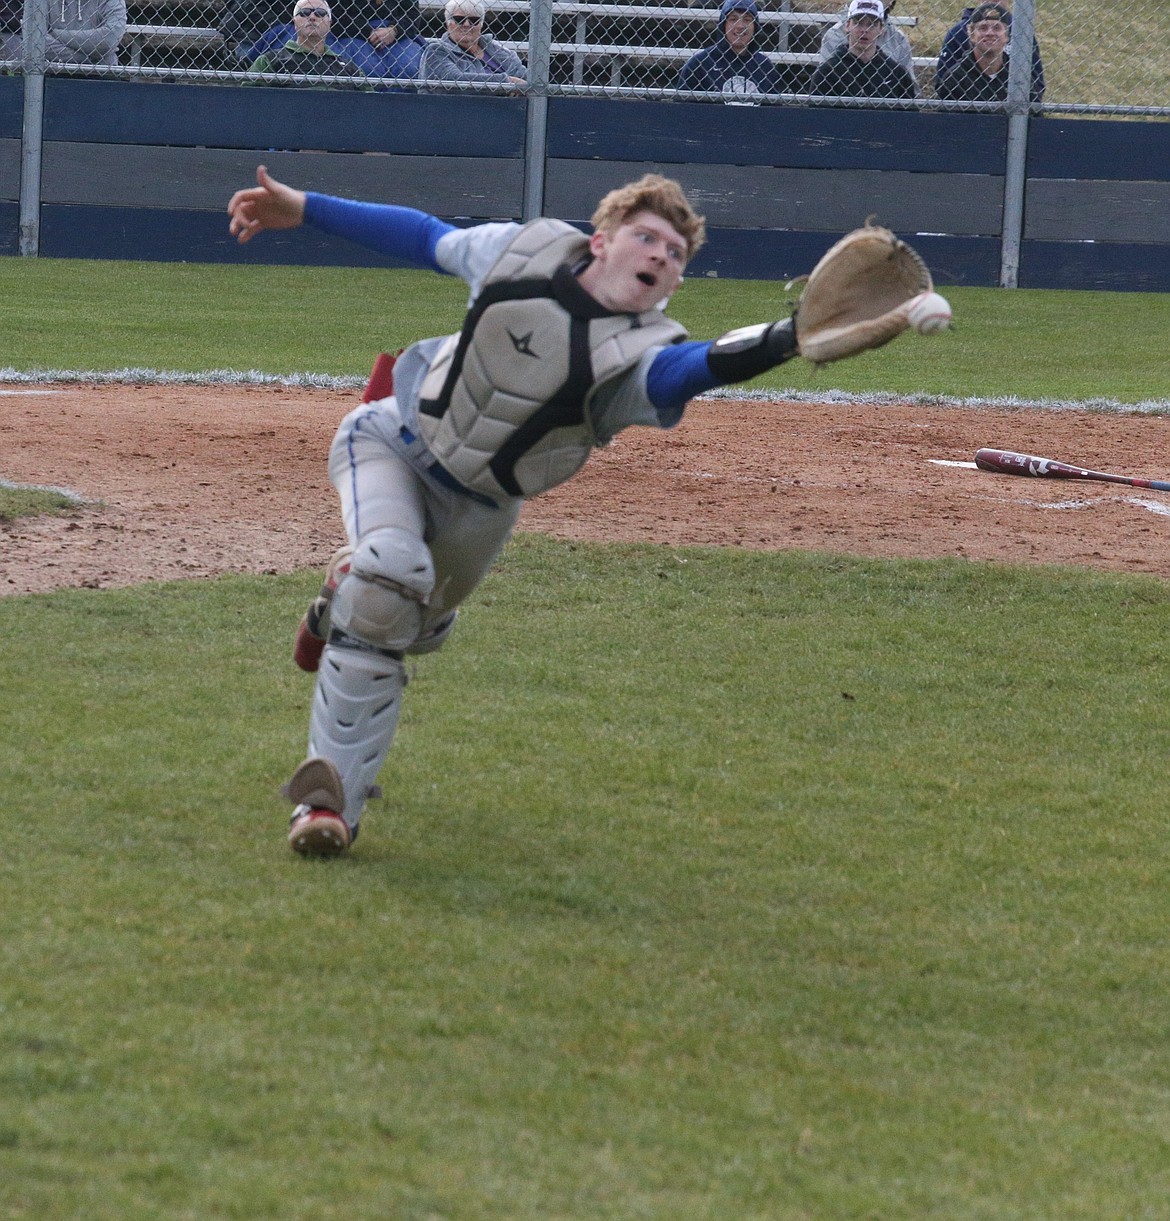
(616, 45)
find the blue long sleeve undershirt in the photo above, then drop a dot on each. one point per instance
(402, 233)
(677, 374)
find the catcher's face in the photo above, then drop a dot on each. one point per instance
(636, 266)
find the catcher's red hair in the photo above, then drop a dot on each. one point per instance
(652, 193)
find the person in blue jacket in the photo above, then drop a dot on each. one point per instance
(731, 67)
(956, 51)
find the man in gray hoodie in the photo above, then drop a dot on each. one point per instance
(80, 32)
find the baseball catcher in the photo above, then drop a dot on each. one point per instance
(564, 344)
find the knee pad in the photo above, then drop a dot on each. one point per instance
(434, 637)
(382, 599)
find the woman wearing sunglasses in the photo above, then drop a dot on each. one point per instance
(466, 53)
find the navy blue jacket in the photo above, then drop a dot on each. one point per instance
(956, 44)
(714, 69)
(844, 75)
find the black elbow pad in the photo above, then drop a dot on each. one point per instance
(750, 350)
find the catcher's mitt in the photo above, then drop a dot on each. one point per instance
(858, 295)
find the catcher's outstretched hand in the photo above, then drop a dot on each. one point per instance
(858, 296)
(268, 205)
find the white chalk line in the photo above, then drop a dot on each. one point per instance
(253, 377)
(69, 493)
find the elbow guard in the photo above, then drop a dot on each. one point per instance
(750, 350)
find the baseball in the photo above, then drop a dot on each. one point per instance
(930, 313)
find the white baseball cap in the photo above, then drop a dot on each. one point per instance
(867, 8)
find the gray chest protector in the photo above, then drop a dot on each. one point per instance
(505, 405)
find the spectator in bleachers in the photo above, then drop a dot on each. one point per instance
(11, 15)
(975, 67)
(859, 69)
(309, 53)
(731, 67)
(893, 42)
(392, 21)
(252, 27)
(466, 53)
(80, 31)
(392, 45)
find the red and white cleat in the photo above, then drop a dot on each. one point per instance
(315, 832)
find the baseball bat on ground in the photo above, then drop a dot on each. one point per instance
(1005, 462)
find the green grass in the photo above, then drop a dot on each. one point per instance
(94, 315)
(32, 502)
(709, 885)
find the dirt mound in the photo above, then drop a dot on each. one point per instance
(191, 481)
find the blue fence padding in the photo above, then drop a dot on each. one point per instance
(662, 133)
(1100, 148)
(9, 228)
(795, 137)
(782, 254)
(11, 107)
(167, 235)
(174, 235)
(237, 116)
(1097, 266)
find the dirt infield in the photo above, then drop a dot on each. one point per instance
(193, 481)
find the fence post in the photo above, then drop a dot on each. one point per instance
(1015, 180)
(540, 24)
(34, 31)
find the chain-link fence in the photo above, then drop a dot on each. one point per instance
(927, 53)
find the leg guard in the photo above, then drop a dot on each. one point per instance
(352, 722)
(434, 637)
(313, 630)
(382, 599)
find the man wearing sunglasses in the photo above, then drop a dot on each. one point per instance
(308, 54)
(466, 53)
(564, 345)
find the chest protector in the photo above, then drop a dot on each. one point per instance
(505, 405)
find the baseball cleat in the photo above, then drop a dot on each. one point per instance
(315, 832)
(313, 629)
(317, 827)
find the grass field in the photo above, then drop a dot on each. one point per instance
(708, 885)
(858, 913)
(1028, 344)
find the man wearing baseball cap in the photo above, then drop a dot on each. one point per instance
(958, 77)
(892, 43)
(732, 67)
(859, 69)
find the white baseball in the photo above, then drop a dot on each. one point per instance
(930, 313)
